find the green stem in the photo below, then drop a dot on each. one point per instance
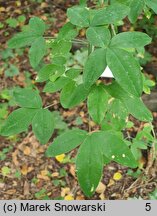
(113, 30)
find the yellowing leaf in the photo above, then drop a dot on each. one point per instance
(69, 197)
(60, 158)
(117, 176)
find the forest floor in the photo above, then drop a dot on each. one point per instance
(25, 171)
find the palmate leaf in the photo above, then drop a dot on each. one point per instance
(89, 164)
(126, 70)
(66, 142)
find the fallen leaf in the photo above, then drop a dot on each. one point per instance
(14, 158)
(26, 188)
(43, 175)
(102, 196)
(72, 170)
(101, 188)
(27, 150)
(25, 169)
(55, 174)
(65, 191)
(11, 191)
(111, 182)
(80, 197)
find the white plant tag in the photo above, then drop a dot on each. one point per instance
(107, 73)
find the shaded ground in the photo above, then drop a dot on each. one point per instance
(31, 175)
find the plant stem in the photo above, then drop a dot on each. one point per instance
(51, 105)
(74, 40)
(152, 154)
(113, 30)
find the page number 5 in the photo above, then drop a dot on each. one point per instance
(148, 207)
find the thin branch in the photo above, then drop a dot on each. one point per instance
(51, 105)
(73, 40)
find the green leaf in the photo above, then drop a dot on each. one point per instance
(48, 70)
(27, 98)
(22, 39)
(52, 87)
(152, 4)
(35, 29)
(43, 125)
(136, 107)
(94, 67)
(98, 36)
(130, 40)
(89, 164)
(66, 142)
(97, 103)
(73, 73)
(72, 94)
(37, 51)
(114, 148)
(68, 32)
(78, 16)
(18, 121)
(133, 104)
(126, 70)
(61, 47)
(37, 25)
(110, 15)
(115, 118)
(136, 7)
